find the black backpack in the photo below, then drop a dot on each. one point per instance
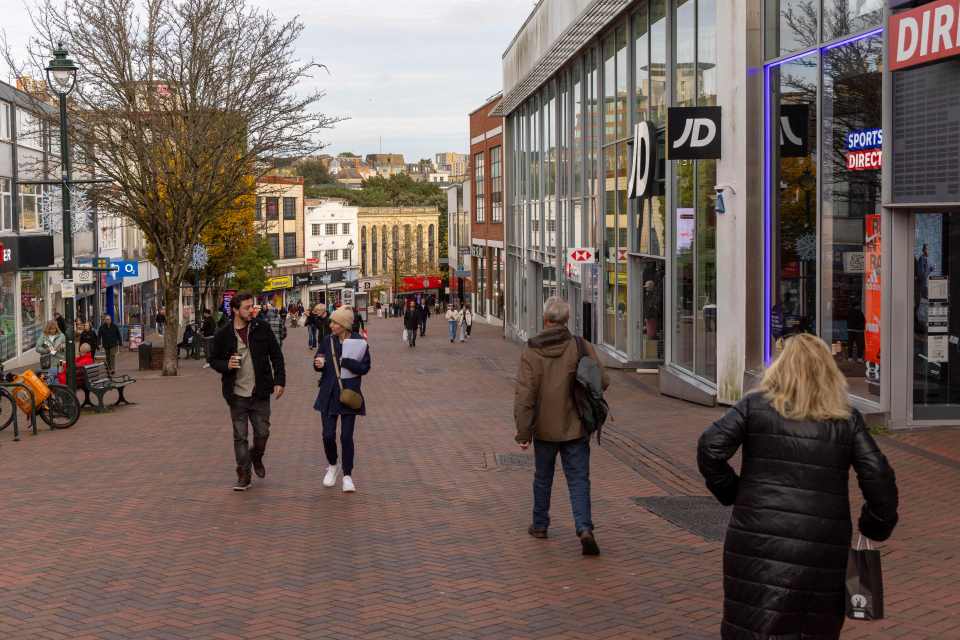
(588, 392)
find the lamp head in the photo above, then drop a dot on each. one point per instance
(61, 71)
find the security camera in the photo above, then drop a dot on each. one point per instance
(720, 188)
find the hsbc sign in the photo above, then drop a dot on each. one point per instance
(581, 254)
(929, 32)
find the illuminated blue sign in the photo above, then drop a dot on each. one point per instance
(864, 139)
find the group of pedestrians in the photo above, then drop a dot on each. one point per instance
(787, 542)
(52, 346)
(247, 352)
(459, 322)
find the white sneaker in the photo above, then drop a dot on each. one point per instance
(330, 479)
(348, 485)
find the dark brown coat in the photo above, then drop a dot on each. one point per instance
(543, 405)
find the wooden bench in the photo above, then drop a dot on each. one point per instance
(96, 381)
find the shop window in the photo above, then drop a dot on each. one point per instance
(792, 199)
(6, 205)
(791, 26)
(29, 207)
(658, 61)
(496, 177)
(847, 17)
(8, 317)
(32, 313)
(479, 206)
(850, 299)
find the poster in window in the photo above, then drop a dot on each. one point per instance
(871, 287)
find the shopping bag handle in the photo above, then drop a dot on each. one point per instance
(860, 540)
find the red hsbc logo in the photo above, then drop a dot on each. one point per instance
(580, 255)
(929, 32)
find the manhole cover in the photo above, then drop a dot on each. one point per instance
(701, 515)
(514, 460)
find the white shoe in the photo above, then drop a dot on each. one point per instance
(330, 479)
(348, 485)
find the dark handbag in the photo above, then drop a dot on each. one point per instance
(864, 583)
(46, 361)
(348, 397)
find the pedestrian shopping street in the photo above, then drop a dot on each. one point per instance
(125, 526)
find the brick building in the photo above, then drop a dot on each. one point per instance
(486, 193)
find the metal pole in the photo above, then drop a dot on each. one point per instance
(68, 302)
(95, 320)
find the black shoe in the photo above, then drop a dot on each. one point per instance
(589, 543)
(243, 480)
(259, 469)
(537, 533)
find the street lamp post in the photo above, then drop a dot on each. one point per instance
(62, 78)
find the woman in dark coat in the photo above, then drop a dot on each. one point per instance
(785, 553)
(328, 354)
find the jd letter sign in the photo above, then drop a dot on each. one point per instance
(693, 133)
(644, 164)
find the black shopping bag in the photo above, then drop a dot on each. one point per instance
(864, 584)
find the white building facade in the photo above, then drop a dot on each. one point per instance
(331, 233)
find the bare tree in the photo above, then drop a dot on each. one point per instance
(182, 102)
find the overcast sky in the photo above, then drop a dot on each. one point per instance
(407, 70)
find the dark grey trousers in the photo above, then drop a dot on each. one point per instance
(257, 414)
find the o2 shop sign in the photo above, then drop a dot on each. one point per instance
(865, 150)
(929, 32)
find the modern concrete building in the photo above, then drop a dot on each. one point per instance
(819, 197)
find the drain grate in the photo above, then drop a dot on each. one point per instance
(700, 515)
(514, 460)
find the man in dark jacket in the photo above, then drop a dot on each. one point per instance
(248, 356)
(424, 314)
(546, 414)
(411, 321)
(110, 340)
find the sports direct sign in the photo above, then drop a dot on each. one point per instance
(865, 149)
(929, 32)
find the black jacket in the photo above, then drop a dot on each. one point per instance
(411, 319)
(328, 396)
(209, 327)
(90, 338)
(785, 553)
(267, 357)
(109, 336)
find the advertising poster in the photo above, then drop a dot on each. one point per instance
(871, 287)
(136, 336)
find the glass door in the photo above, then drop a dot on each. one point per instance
(936, 330)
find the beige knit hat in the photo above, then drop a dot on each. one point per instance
(343, 317)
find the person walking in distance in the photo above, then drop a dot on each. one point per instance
(161, 320)
(411, 322)
(277, 325)
(110, 340)
(546, 415)
(785, 551)
(467, 321)
(87, 336)
(451, 317)
(313, 325)
(424, 314)
(462, 322)
(343, 359)
(248, 356)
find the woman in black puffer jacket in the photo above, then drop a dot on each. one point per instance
(785, 554)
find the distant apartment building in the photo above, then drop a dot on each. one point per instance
(386, 164)
(331, 249)
(486, 188)
(279, 214)
(452, 163)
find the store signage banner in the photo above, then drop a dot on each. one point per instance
(227, 297)
(644, 165)
(24, 252)
(693, 133)
(871, 288)
(277, 283)
(929, 32)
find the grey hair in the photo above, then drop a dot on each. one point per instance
(556, 310)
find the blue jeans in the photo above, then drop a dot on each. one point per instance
(575, 457)
(453, 329)
(311, 336)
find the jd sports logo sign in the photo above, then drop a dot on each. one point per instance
(693, 133)
(643, 167)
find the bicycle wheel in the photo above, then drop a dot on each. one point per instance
(61, 410)
(8, 408)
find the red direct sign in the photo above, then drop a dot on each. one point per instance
(865, 159)
(929, 32)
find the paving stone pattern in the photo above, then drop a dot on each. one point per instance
(124, 527)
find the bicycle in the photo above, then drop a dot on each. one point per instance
(56, 404)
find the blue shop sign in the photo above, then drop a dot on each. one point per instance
(864, 139)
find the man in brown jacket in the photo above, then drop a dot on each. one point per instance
(545, 414)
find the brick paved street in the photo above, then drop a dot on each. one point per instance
(125, 526)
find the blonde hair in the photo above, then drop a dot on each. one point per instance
(51, 329)
(317, 308)
(804, 382)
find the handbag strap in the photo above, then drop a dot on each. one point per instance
(336, 363)
(860, 541)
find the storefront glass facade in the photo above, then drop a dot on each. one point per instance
(660, 53)
(32, 310)
(823, 104)
(8, 316)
